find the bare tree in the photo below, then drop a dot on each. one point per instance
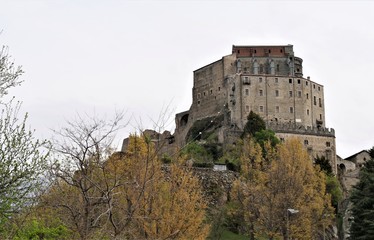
(9, 72)
(80, 151)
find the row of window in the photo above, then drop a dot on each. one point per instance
(247, 81)
(306, 142)
(205, 93)
(277, 110)
(290, 94)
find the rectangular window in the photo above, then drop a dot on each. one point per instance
(260, 80)
(299, 94)
(291, 109)
(277, 93)
(204, 93)
(277, 109)
(261, 93)
(320, 102)
(306, 142)
(276, 80)
(328, 144)
(290, 93)
(315, 100)
(320, 117)
(298, 81)
(261, 108)
(211, 91)
(307, 112)
(219, 89)
(306, 83)
(290, 80)
(319, 89)
(246, 81)
(314, 86)
(246, 91)
(307, 96)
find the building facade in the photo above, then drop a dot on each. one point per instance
(269, 81)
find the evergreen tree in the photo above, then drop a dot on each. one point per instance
(254, 124)
(363, 204)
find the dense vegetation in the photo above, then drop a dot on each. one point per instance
(362, 198)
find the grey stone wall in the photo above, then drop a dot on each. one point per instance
(269, 81)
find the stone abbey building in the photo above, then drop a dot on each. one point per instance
(269, 81)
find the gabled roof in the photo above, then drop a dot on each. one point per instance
(354, 155)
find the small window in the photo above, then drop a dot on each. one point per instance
(276, 80)
(290, 80)
(314, 86)
(298, 81)
(291, 109)
(307, 112)
(255, 51)
(299, 94)
(290, 93)
(269, 51)
(219, 89)
(204, 93)
(261, 108)
(281, 50)
(328, 144)
(247, 108)
(277, 67)
(246, 91)
(246, 81)
(211, 91)
(306, 142)
(277, 93)
(282, 139)
(320, 102)
(306, 83)
(198, 95)
(277, 109)
(319, 88)
(238, 51)
(261, 93)
(260, 80)
(297, 70)
(320, 117)
(307, 96)
(198, 102)
(315, 100)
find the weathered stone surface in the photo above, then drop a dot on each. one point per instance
(216, 184)
(269, 81)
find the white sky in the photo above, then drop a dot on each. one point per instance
(98, 56)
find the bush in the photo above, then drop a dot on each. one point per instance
(166, 158)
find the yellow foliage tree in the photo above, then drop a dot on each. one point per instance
(283, 195)
(100, 195)
(155, 203)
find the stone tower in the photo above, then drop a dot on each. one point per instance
(269, 81)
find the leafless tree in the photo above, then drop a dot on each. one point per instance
(79, 151)
(9, 72)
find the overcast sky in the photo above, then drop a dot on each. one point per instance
(98, 56)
